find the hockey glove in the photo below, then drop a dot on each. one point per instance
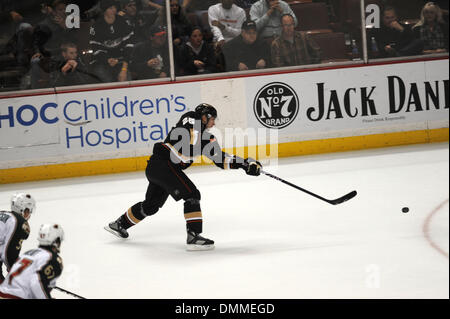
(252, 167)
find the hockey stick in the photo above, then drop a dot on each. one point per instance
(68, 292)
(336, 201)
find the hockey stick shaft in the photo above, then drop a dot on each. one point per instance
(330, 201)
(69, 293)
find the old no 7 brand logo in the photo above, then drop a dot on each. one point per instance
(276, 105)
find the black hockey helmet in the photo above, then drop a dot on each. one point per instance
(206, 109)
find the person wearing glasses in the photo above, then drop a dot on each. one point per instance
(293, 47)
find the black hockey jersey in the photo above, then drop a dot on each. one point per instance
(190, 139)
(111, 40)
(14, 229)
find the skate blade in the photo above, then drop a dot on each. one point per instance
(199, 247)
(112, 231)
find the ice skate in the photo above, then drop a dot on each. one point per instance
(116, 229)
(196, 242)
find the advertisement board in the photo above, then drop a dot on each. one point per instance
(350, 99)
(118, 121)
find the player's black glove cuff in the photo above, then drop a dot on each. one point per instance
(252, 167)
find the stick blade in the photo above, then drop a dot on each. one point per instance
(344, 198)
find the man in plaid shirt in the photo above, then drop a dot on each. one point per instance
(293, 47)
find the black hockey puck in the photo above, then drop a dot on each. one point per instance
(405, 209)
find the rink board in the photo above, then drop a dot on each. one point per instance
(320, 111)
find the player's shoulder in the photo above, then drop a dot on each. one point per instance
(22, 223)
(53, 261)
(189, 118)
(191, 114)
(11, 217)
(5, 216)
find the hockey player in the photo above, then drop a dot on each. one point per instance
(188, 139)
(14, 229)
(35, 273)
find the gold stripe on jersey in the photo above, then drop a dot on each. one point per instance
(193, 216)
(194, 136)
(131, 217)
(226, 163)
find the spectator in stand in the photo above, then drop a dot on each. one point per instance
(293, 47)
(246, 51)
(267, 15)
(432, 30)
(69, 68)
(112, 42)
(18, 18)
(29, 11)
(151, 58)
(7, 20)
(19, 43)
(48, 36)
(225, 19)
(94, 12)
(443, 4)
(159, 4)
(180, 24)
(131, 12)
(197, 56)
(198, 6)
(244, 4)
(394, 38)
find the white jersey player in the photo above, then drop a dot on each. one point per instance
(35, 273)
(14, 228)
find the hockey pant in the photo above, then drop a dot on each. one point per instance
(166, 178)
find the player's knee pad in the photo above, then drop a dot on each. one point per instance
(137, 211)
(194, 195)
(192, 204)
(147, 208)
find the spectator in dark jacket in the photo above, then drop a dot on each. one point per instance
(112, 41)
(69, 68)
(48, 35)
(180, 23)
(197, 56)
(432, 30)
(131, 12)
(246, 51)
(151, 58)
(394, 38)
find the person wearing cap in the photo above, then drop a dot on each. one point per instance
(246, 51)
(267, 15)
(112, 40)
(151, 58)
(293, 47)
(189, 139)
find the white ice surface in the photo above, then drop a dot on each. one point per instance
(272, 241)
